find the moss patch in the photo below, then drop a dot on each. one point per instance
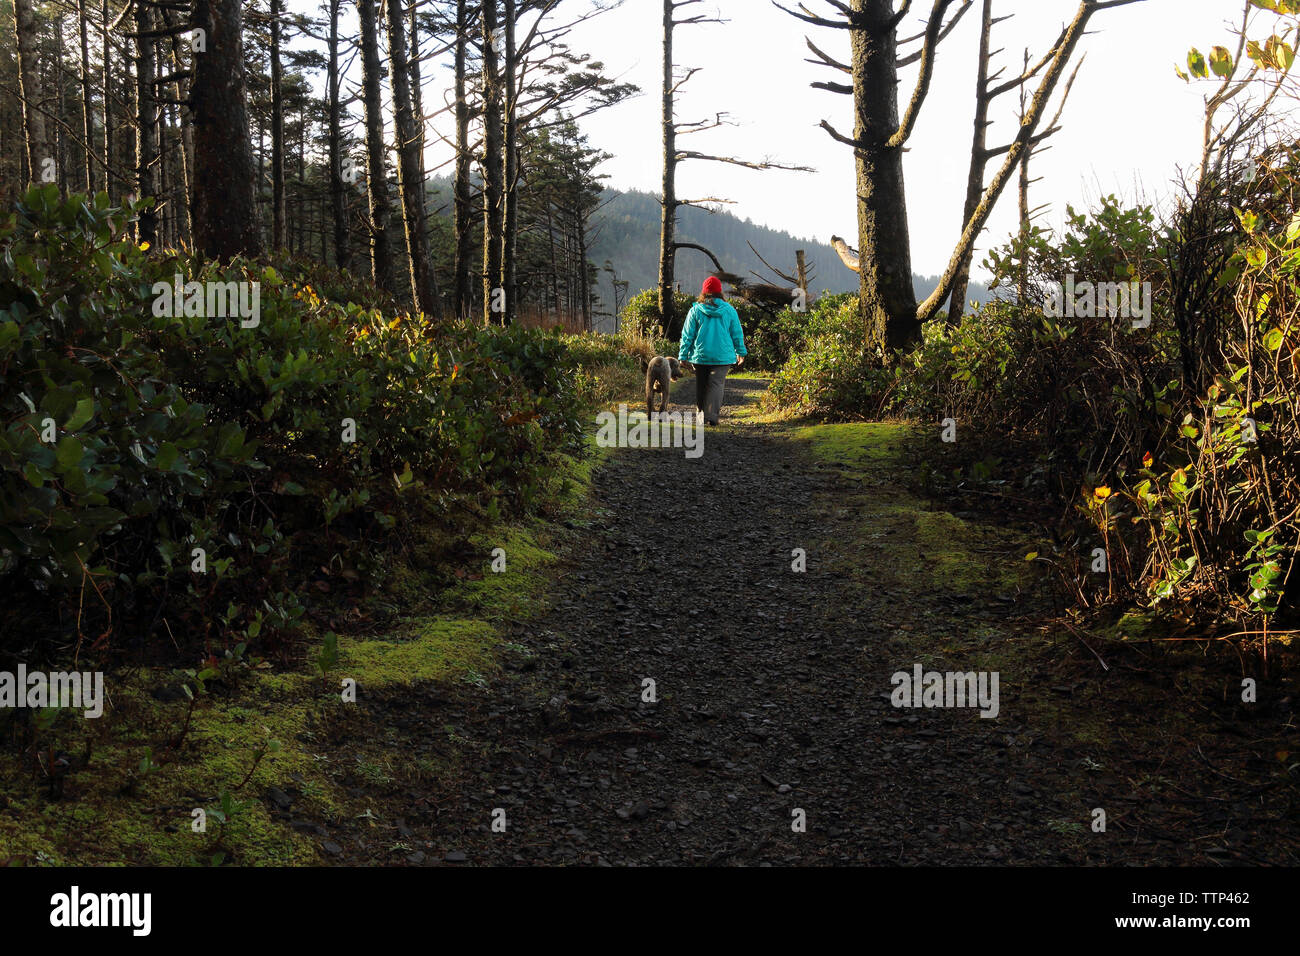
(130, 795)
(429, 649)
(863, 449)
(919, 548)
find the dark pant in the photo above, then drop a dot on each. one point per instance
(710, 383)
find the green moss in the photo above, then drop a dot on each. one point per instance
(113, 814)
(520, 557)
(920, 549)
(1134, 625)
(860, 448)
(437, 649)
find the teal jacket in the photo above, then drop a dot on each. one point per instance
(712, 335)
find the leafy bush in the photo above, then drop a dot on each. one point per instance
(963, 369)
(641, 314)
(832, 373)
(1216, 509)
(771, 337)
(134, 437)
(1150, 423)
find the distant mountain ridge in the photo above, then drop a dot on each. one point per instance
(625, 233)
(625, 237)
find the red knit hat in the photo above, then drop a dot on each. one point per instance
(712, 286)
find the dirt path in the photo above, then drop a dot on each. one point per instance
(772, 696)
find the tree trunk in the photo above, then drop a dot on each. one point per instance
(302, 206)
(888, 300)
(224, 211)
(417, 84)
(146, 131)
(166, 201)
(510, 171)
(279, 237)
(87, 110)
(29, 85)
(61, 151)
(410, 145)
(584, 279)
(184, 143)
(1024, 218)
(338, 197)
(381, 252)
(130, 110)
(555, 266)
(978, 162)
(493, 228)
(668, 211)
(462, 215)
(106, 85)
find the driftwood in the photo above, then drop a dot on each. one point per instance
(721, 273)
(763, 295)
(848, 255)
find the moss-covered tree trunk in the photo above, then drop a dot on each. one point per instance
(462, 215)
(493, 225)
(383, 269)
(31, 90)
(225, 215)
(888, 300)
(410, 178)
(338, 197)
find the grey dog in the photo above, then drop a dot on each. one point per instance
(660, 375)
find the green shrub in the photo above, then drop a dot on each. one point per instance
(134, 437)
(1212, 510)
(832, 374)
(641, 314)
(771, 338)
(964, 369)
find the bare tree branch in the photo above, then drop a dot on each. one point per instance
(685, 154)
(919, 94)
(848, 255)
(1064, 51)
(807, 16)
(825, 59)
(913, 57)
(840, 137)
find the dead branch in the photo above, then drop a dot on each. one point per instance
(848, 255)
(913, 57)
(686, 154)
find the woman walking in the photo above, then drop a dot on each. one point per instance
(712, 341)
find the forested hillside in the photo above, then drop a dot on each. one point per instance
(625, 233)
(625, 230)
(624, 237)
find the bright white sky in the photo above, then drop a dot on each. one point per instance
(1130, 125)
